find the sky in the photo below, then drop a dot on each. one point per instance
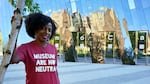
(136, 13)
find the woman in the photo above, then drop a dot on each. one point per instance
(39, 57)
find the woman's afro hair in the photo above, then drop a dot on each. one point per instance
(36, 21)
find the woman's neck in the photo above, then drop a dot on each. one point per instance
(44, 44)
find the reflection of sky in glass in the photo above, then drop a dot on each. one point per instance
(136, 12)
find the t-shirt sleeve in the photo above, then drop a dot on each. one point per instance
(20, 51)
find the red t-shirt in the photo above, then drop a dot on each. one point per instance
(40, 63)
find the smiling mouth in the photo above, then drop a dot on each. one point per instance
(45, 37)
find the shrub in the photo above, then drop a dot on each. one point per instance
(128, 57)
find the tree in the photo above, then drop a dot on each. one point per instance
(16, 22)
(29, 6)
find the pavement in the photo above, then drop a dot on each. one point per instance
(87, 73)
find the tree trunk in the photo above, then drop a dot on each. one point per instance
(16, 23)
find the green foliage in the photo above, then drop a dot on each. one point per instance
(29, 6)
(13, 2)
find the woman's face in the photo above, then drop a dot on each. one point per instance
(43, 35)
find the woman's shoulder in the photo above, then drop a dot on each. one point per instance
(51, 45)
(26, 44)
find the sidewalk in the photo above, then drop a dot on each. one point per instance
(88, 73)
